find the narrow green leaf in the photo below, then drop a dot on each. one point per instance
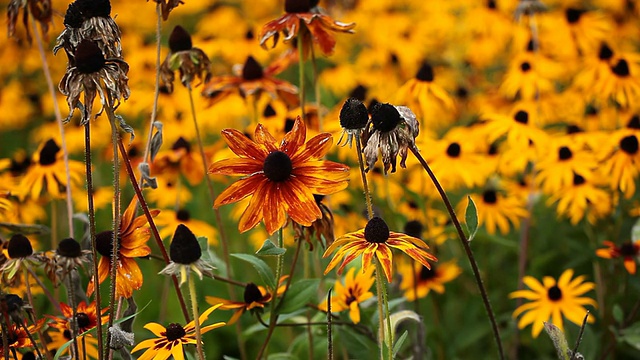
(471, 217)
(299, 293)
(618, 315)
(400, 342)
(261, 267)
(270, 249)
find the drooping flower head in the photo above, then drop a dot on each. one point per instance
(390, 131)
(353, 119)
(376, 239)
(190, 61)
(20, 253)
(41, 11)
(281, 178)
(185, 254)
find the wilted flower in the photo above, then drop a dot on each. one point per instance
(319, 229)
(190, 61)
(353, 119)
(19, 251)
(88, 68)
(186, 256)
(39, 9)
(391, 130)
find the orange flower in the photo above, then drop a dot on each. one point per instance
(133, 236)
(303, 14)
(376, 239)
(254, 299)
(86, 316)
(628, 251)
(281, 179)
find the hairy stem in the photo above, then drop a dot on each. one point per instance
(156, 89)
(35, 315)
(467, 249)
(196, 316)
(363, 175)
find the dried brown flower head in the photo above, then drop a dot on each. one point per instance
(319, 229)
(39, 9)
(191, 61)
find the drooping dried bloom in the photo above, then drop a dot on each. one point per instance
(88, 69)
(353, 119)
(186, 256)
(320, 230)
(167, 6)
(39, 9)
(190, 61)
(391, 131)
(89, 20)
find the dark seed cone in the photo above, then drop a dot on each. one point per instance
(414, 228)
(425, 73)
(19, 247)
(277, 166)
(621, 69)
(184, 248)
(88, 57)
(299, 6)
(252, 293)
(104, 243)
(252, 70)
(385, 117)
(629, 144)
(69, 248)
(181, 143)
(183, 215)
(14, 303)
(490, 196)
(376, 231)
(179, 40)
(48, 153)
(353, 115)
(359, 92)
(73, 17)
(605, 52)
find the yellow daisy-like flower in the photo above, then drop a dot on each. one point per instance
(422, 94)
(582, 198)
(621, 159)
(562, 160)
(418, 281)
(552, 299)
(350, 295)
(376, 239)
(171, 339)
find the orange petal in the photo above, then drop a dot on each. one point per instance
(242, 145)
(273, 207)
(301, 206)
(630, 265)
(264, 138)
(239, 190)
(385, 257)
(294, 139)
(236, 167)
(253, 213)
(316, 148)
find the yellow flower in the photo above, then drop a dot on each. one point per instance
(350, 295)
(376, 239)
(552, 299)
(171, 339)
(418, 281)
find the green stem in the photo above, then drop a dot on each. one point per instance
(363, 175)
(301, 71)
(156, 89)
(71, 299)
(316, 88)
(467, 249)
(92, 232)
(196, 316)
(379, 291)
(35, 315)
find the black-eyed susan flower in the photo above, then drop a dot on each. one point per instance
(170, 340)
(186, 256)
(353, 119)
(418, 281)
(180, 159)
(18, 338)
(47, 173)
(87, 344)
(304, 14)
(551, 300)
(583, 198)
(628, 251)
(562, 159)
(254, 299)
(168, 221)
(66, 258)
(520, 127)
(19, 252)
(281, 178)
(390, 132)
(190, 61)
(86, 316)
(352, 293)
(622, 85)
(422, 94)
(251, 79)
(133, 236)
(376, 239)
(621, 157)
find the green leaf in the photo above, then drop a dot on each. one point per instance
(618, 315)
(270, 249)
(263, 269)
(471, 217)
(635, 231)
(631, 335)
(66, 345)
(400, 342)
(299, 293)
(559, 340)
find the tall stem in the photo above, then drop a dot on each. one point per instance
(35, 315)
(196, 316)
(92, 231)
(381, 316)
(274, 316)
(301, 71)
(71, 299)
(58, 115)
(152, 225)
(156, 89)
(466, 246)
(115, 135)
(363, 175)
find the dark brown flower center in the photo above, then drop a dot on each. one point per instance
(385, 117)
(525, 66)
(14, 303)
(48, 153)
(83, 321)
(425, 73)
(174, 332)
(564, 153)
(359, 92)
(453, 150)
(19, 247)
(627, 249)
(629, 144)
(554, 293)
(578, 179)
(605, 52)
(69, 248)
(249, 35)
(73, 17)
(634, 122)
(573, 15)
(179, 40)
(491, 4)
(353, 114)
(521, 117)
(414, 228)
(88, 57)
(573, 129)
(277, 166)
(426, 273)
(184, 248)
(95, 8)
(490, 197)
(288, 124)
(183, 215)
(621, 68)
(376, 231)
(252, 70)
(104, 243)
(269, 111)
(181, 143)
(299, 6)
(29, 355)
(252, 293)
